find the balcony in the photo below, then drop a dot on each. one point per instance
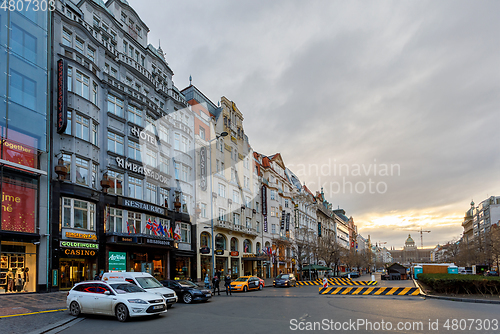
(223, 224)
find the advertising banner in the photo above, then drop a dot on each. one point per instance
(117, 261)
(18, 204)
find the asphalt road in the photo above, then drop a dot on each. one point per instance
(289, 310)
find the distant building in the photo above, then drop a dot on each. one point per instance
(410, 253)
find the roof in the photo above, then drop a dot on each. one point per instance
(409, 240)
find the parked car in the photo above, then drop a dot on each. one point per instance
(188, 291)
(353, 274)
(145, 281)
(120, 299)
(285, 280)
(246, 283)
(491, 273)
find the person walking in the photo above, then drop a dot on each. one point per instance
(207, 282)
(215, 282)
(227, 284)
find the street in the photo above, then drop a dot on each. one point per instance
(285, 310)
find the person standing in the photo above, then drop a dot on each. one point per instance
(215, 282)
(227, 284)
(207, 282)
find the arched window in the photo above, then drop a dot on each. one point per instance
(247, 246)
(205, 239)
(234, 245)
(258, 250)
(220, 242)
(268, 245)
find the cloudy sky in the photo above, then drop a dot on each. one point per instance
(392, 106)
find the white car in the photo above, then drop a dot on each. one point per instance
(121, 299)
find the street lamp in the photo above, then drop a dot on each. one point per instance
(223, 134)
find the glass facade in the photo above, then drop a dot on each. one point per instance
(23, 77)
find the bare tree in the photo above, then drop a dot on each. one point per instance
(301, 247)
(330, 251)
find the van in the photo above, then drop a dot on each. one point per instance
(145, 281)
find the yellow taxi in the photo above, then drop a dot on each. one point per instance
(246, 283)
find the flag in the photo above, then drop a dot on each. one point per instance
(170, 233)
(177, 231)
(128, 227)
(149, 225)
(155, 228)
(246, 248)
(160, 227)
(133, 225)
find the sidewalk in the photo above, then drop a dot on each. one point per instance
(23, 303)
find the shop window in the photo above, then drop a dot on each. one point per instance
(220, 242)
(182, 268)
(17, 267)
(78, 214)
(115, 221)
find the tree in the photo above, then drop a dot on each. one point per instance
(301, 247)
(330, 251)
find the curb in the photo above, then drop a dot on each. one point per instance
(58, 326)
(454, 299)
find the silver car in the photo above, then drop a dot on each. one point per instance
(120, 299)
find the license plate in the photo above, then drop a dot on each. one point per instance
(171, 300)
(158, 307)
(208, 295)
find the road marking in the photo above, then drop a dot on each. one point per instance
(39, 312)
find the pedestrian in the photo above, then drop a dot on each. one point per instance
(215, 282)
(207, 282)
(227, 284)
(218, 274)
(96, 277)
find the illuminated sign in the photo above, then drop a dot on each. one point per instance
(80, 252)
(117, 261)
(87, 236)
(19, 154)
(18, 204)
(203, 168)
(127, 239)
(204, 250)
(76, 244)
(62, 96)
(219, 252)
(235, 253)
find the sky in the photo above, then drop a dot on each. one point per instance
(393, 107)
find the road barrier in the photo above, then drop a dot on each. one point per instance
(376, 291)
(338, 281)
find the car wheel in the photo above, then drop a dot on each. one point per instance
(260, 287)
(245, 289)
(121, 312)
(187, 298)
(74, 309)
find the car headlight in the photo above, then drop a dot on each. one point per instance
(274, 282)
(137, 301)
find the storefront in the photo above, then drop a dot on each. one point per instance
(77, 258)
(221, 262)
(235, 264)
(18, 267)
(252, 264)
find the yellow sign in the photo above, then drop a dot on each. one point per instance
(233, 139)
(241, 156)
(86, 236)
(227, 147)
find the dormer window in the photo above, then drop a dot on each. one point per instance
(124, 17)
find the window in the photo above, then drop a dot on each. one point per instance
(185, 232)
(164, 196)
(205, 240)
(248, 222)
(93, 138)
(222, 168)
(115, 143)
(177, 139)
(143, 61)
(67, 163)
(96, 22)
(273, 212)
(185, 173)
(67, 37)
(176, 167)
(22, 90)
(164, 165)
(78, 214)
(185, 202)
(233, 176)
(185, 144)
(257, 225)
(82, 85)
(70, 79)
(246, 182)
(236, 219)
(151, 158)
(220, 242)
(94, 93)
(115, 220)
(286, 203)
(221, 145)
(217, 166)
(117, 179)
(82, 171)
(133, 222)
(234, 245)
(273, 194)
(129, 81)
(82, 127)
(150, 192)
(247, 246)
(248, 202)
(125, 47)
(137, 56)
(23, 43)
(105, 27)
(222, 214)
(114, 73)
(91, 53)
(273, 228)
(131, 52)
(124, 17)
(95, 171)
(68, 126)
(134, 150)
(139, 31)
(134, 115)
(222, 190)
(79, 44)
(203, 208)
(202, 132)
(236, 196)
(135, 187)
(164, 134)
(115, 105)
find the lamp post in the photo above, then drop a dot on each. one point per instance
(223, 134)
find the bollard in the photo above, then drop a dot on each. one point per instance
(348, 275)
(325, 282)
(373, 277)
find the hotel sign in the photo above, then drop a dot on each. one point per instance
(203, 168)
(144, 206)
(141, 170)
(264, 206)
(62, 96)
(137, 132)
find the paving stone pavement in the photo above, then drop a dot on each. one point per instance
(31, 302)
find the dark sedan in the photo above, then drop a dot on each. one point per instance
(187, 291)
(353, 274)
(285, 280)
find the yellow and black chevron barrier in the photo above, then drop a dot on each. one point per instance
(376, 291)
(309, 283)
(339, 282)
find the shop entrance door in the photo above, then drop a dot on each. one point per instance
(73, 271)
